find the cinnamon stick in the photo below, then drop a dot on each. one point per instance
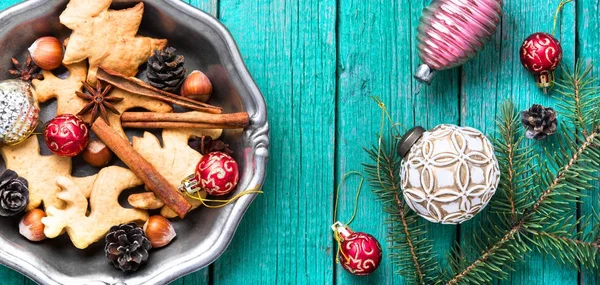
(142, 168)
(139, 87)
(182, 120)
(172, 125)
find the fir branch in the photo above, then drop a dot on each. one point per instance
(508, 129)
(412, 250)
(515, 161)
(546, 198)
(489, 264)
(491, 250)
(568, 248)
(562, 174)
(578, 92)
(565, 243)
(534, 192)
(576, 159)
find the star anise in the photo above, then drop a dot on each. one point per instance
(27, 71)
(206, 144)
(100, 101)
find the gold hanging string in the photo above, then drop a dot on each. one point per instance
(223, 203)
(394, 132)
(362, 179)
(336, 235)
(560, 7)
(40, 123)
(338, 238)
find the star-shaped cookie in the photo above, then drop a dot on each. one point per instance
(175, 159)
(107, 37)
(41, 171)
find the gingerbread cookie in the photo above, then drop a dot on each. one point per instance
(175, 160)
(105, 210)
(69, 103)
(107, 37)
(41, 171)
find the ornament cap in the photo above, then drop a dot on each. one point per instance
(409, 139)
(425, 74)
(544, 79)
(189, 184)
(342, 229)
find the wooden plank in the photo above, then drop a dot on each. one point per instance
(588, 23)
(11, 277)
(7, 3)
(208, 6)
(497, 75)
(377, 57)
(289, 47)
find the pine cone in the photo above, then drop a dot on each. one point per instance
(14, 193)
(127, 246)
(539, 121)
(166, 70)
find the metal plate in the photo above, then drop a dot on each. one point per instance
(205, 233)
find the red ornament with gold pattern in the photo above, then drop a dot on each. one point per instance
(541, 54)
(66, 135)
(217, 173)
(358, 253)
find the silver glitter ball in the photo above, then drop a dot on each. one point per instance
(19, 113)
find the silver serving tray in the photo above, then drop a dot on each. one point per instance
(205, 233)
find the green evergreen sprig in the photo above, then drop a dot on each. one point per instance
(533, 207)
(411, 251)
(563, 241)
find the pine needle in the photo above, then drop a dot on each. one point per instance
(412, 252)
(561, 178)
(532, 207)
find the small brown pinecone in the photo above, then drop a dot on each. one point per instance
(127, 246)
(540, 122)
(165, 70)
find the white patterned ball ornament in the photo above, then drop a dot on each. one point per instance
(450, 174)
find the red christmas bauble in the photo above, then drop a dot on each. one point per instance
(218, 173)
(359, 253)
(540, 54)
(66, 135)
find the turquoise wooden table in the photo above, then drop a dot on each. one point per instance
(317, 62)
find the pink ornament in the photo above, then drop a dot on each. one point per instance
(218, 173)
(66, 135)
(540, 54)
(452, 32)
(359, 253)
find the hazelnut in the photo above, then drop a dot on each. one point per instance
(97, 154)
(31, 226)
(47, 52)
(197, 86)
(159, 231)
